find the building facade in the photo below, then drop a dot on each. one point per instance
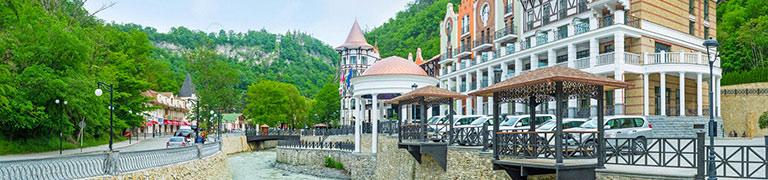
(656, 45)
(356, 56)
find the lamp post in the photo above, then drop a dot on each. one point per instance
(61, 133)
(99, 92)
(711, 174)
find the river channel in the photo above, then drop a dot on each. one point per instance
(258, 165)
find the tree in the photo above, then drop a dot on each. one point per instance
(273, 103)
(326, 104)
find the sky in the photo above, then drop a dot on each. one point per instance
(327, 20)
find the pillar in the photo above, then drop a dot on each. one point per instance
(342, 119)
(403, 113)
(593, 21)
(682, 94)
(618, 94)
(534, 61)
(551, 57)
(358, 124)
(717, 96)
(663, 93)
(518, 66)
(594, 50)
(646, 103)
(571, 54)
(504, 67)
(699, 102)
(572, 107)
(375, 122)
(618, 16)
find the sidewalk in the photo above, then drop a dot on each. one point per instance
(86, 150)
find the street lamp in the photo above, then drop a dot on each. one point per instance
(99, 92)
(61, 133)
(712, 175)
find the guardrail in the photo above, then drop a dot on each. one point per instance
(102, 164)
(576, 145)
(343, 146)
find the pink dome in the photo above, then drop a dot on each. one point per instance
(394, 65)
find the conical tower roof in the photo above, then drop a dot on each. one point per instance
(355, 39)
(188, 88)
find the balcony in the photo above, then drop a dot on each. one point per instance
(678, 58)
(582, 63)
(632, 58)
(484, 82)
(581, 28)
(605, 21)
(463, 88)
(510, 49)
(605, 59)
(464, 50)
(525, 44)
(505, 34)
(483, 43)
(472, 86)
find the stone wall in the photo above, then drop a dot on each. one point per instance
(741, 112)
(358, 165)
(212, 167)
(235, 144)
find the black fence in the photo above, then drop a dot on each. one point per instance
(472, 136)
(576, 145)
(344, 146)
(413, 132)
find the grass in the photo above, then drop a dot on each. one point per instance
(332, 163)
(45, 144)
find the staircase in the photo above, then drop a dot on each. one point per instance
(673, 126)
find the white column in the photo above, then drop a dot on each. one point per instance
(682, 94)
(572, 108)
(458, 107)
(551, 57)
(571, 54)
(341, 112)
(699, 102)
(479, 105)
(663, 93)
(646, 103)
(504, 67)
(593, 21)
(594, 50)
(519, 107)
(618, 16)
(468, 80)
(404, 113)
(534, 61)
(492, 75)
(518, 66)
(358, 124)
(375, 123)
(458, 83)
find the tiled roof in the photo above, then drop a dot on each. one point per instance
(187, 88)
(394, 65)
(430, 94)
(355, 39)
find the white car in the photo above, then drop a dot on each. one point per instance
(521, 122)
(477, 122)
(176, 141)
(568, 123)
(625, 127)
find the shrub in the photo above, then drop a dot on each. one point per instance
(332, 163)
(759, 74)
(763, 121)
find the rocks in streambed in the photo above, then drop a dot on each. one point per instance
(313, 170)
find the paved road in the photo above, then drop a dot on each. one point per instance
(133, 145)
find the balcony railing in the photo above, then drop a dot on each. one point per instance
(463, 64)
(581, 28)
(484, 83)
(582, 63)
(632, 21)
(525, 44)
(605, 59)
(472, 86)
(483, 41)
(677, 58)
(463, 87)
(510, 49)
(632, 58)
(503, 32)
(605, 21)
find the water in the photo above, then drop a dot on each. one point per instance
(258, 165)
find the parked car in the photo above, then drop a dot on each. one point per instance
(176, 141)
(521, 122)
(568, 123)
(488, 120)
(625, 127)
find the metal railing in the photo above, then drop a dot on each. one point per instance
(299, 144)
(742, 161)
(605, 21)
(580, 28)
(507, 30)
(101, 164)
(524, 144)
(605, 59)
(582, 63)
(659, 152)
(472, 136)
(413, 132)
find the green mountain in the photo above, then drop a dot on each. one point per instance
(418, 26)
(293, 57)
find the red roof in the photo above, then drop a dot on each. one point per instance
(394, 65)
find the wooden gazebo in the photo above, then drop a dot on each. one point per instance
(540, 86)
(416, 136)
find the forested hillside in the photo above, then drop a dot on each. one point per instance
(297, 58)
(418, 26)
(742, 29)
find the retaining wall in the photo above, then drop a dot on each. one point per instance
(211, 167)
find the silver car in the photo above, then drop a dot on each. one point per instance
(623, 127)
(176, 141)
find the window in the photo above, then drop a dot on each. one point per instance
(530, 20)
(662, 47)
(353, 59)
(562, 32)
(363, 60)
(691, 28)
(706, 10)
(344, 60)
(582, 54)
(563, 8)
(465, 25)
(612, 123)
(706, 32)
(639, 122)
(562, 58)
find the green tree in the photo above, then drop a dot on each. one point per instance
(273, 103)
(325, 107)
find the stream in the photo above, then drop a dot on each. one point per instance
(258, 165)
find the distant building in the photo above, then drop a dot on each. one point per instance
(174, 111)
(356, 55)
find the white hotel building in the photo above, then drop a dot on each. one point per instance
(654, 44)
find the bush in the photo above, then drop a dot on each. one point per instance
(759, 74)
(763, 121)
(332, 163)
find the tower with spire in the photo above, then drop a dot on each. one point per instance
(356, 55)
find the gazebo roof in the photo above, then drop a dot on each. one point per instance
(431, 94)
(541, 82)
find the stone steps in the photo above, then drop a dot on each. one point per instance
(665, 127)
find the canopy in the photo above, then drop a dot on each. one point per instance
(431, 94)
(542, 82)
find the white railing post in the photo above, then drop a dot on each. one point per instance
(682, 57)
(662, 57)
(698, 58)
(644, 58)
